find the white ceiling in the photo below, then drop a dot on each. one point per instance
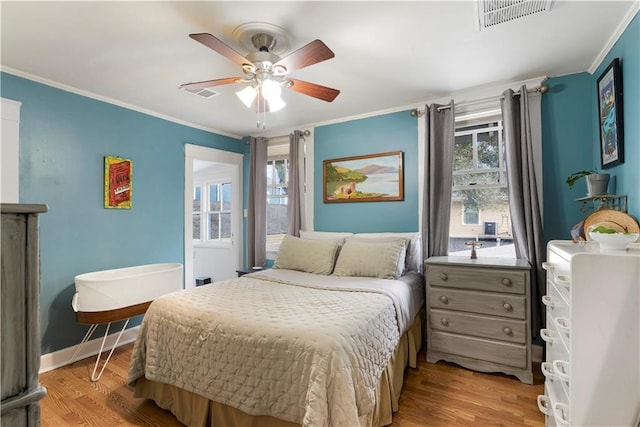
(388, 55)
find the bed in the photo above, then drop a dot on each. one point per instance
(321, 339)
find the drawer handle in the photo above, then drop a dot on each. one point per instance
(561, 369)
(507, 306)
(547, 370)
(562, 281)
(444, 277)
(543, 404)
(548, 301)
(547, 266)
(444, 299)
(507, 331)
(507, 282)
(444, 322)
(562, 323)
(547, 335)
(561, 414)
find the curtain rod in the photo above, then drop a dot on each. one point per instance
(303, 134)
(542, 89)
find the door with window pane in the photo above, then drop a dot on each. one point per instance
(214, 209)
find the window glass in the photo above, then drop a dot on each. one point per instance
(212, 210)
(196, 212)
(214, 197)
(277, 190)
(480, 200)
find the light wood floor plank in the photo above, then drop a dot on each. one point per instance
(440, 394)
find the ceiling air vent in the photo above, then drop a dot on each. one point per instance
(494, 12)
(203, 93)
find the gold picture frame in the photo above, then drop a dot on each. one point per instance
(366, 178)
(117, 182)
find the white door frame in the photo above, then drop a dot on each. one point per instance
(192, 152)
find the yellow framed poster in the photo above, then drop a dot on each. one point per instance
(117, 183)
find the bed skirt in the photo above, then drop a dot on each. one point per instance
(197, 411)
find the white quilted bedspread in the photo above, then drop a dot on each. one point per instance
(310, 352)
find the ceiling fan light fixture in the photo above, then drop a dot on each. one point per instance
(272, 92)
(247, 95)
(276, 104)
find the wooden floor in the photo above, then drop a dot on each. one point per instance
(440, 394)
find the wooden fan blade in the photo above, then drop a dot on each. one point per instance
(317, 91)
(219, 46)
(210, 83)
(310, 54)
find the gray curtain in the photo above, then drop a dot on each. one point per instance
(438, 178)
(526, 216)
(295, 202)
(257, 207)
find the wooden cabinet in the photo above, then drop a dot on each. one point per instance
(592, 335)
(20, 331)
(479, 314)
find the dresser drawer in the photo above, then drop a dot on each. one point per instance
(478, 302)
(481, 326)
(494, 280)
(479, 348)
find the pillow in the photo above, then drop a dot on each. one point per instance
(313, 256)
(413, 259)
(363, 258)
(316, 235)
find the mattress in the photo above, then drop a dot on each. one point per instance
(299, 347)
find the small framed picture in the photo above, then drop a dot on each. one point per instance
(117, 183)
(610, 122)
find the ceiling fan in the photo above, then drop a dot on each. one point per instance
(266, 72)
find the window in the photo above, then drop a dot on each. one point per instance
(212, 212)
(219, 213)
(479, 193)
(277, 198)
(197, 197)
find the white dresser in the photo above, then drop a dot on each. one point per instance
(592, 366)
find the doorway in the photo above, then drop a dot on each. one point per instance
(213, 241)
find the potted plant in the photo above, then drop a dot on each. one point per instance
(597, 183)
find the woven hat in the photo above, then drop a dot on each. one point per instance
(611, 218)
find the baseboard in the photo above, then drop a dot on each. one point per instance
(536, 353)
(60, 358)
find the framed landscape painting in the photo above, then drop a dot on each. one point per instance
(610, 115)
(366, 178)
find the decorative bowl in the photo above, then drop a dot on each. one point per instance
(613, 241)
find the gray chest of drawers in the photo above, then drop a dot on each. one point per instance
(479, 314)
(20, 332)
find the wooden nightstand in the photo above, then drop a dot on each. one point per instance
(479, 314)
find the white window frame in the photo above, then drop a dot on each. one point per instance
(204, 214)
(501, 170)
(463, 219)
(207, 211)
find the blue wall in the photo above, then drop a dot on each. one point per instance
(566, 148)
(571, 139)
(389, 132)
(627, 175)
(63, 140)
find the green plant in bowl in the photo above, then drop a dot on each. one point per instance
(603, 229)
